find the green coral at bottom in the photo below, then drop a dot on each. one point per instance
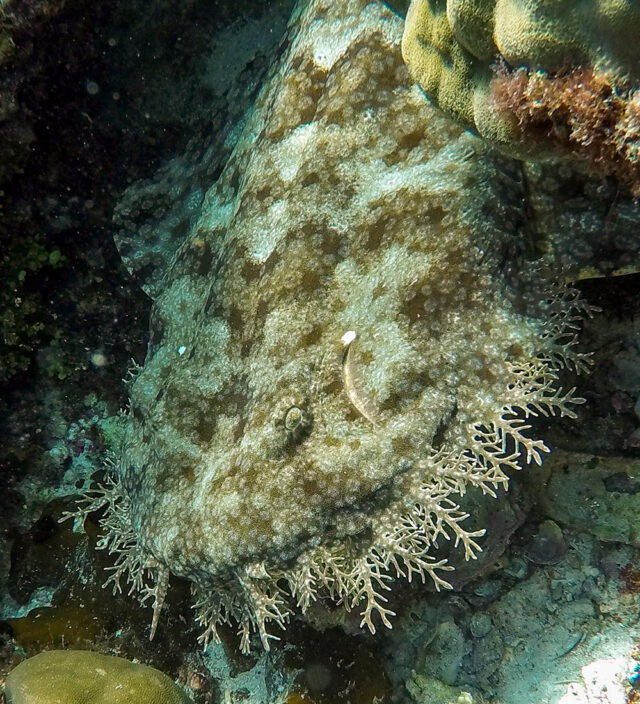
(85, 677)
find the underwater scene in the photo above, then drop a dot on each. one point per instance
(320, 352)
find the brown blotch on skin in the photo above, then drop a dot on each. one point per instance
(392, 402)
(366, 357)
(310, 485)
(188, 473)
(137, 413)
(238, 430)
(401, 445)
(376, 232)
(263, 413)
(156, 330)
(234, 181)
(262, 309)
(310, 178)
(205, 259)
(206, 428)
(405, 144)
(270, 263)
(411, 139)
(312, 337)
(352, 413)
(310, 280)
(414, 308)
(297, 100)
(333, 388)
(393, 157)
(436, 215)
(330, 242)
(250, 270)
(264, 192)
(235, 402)
(234, 318)
(515, 352)
(454, 257)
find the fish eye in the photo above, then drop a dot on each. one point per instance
(294, 421)
(293, 418)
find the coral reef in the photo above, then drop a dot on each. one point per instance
(311, 405)
(608, 489)
(556, 633)
(577, 112)
(171, 88)
(539, 80)
(85, 677)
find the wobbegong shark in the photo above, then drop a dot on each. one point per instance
(355, 330)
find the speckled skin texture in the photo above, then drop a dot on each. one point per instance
(342, 343)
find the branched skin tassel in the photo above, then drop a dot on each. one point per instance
(351, 336)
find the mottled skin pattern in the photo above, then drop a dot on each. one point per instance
(339, 344)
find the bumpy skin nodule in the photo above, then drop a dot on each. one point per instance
(349, 337)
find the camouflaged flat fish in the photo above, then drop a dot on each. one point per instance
(353, 332)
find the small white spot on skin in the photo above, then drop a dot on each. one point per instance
(348, 337)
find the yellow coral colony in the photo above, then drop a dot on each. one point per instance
(351, 335)
(82, 676)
